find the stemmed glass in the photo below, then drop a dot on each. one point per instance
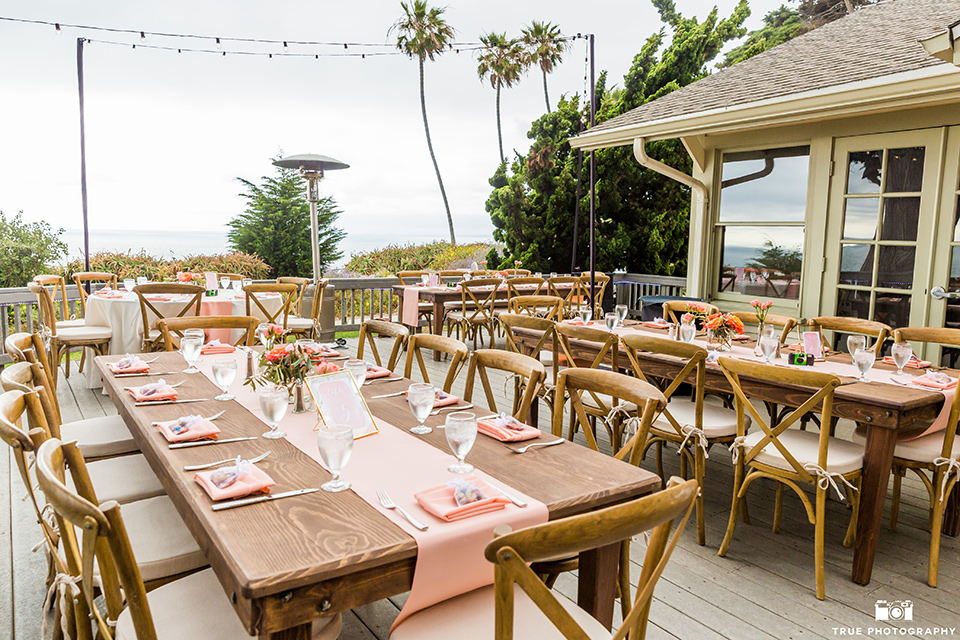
(336, 445)
(358, 369)
(424, 279)
(225, 282)
(262, 330)
(247, 282)
(864, 359)
(273, 404)
(611, 319)
(224, 372)
(621, 311)
(461, 430)
(768, 347)
(129, 284)
(688, 331)
(585, 314)
(901, 352)
(855, 343)
(420, 397)
(190, 350)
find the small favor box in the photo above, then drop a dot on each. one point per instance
(803, 359)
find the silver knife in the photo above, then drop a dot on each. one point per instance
(512, 498)
(148, 373)
(148, 403)
(388, 395)
(267, 498)
(200, 443)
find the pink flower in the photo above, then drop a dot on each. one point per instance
(687, 317)
(754, 303)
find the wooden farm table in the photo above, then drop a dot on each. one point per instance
(884, 409)
(288, 562)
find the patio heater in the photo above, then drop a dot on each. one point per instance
(312, 167)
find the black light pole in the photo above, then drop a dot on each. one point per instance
(593, 116)
(83, 160)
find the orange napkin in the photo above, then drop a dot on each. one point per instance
(741, 336)
(153, 392)
(327, 352)
(577, 322)
(656, 325)
(190, 428)
(129, 364)
(915, 363)
(799, 348)
(377, 372)
(213, 349)
(440, 502)
(108, 293)
(253, 481)
(157, 298)
(507, 429)
(444, 399)
(929, 379)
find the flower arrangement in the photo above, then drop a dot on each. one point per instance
(517, 264)
(187, 277)
(723, 326)
(271, 334)
(760, 309)
(503, 275)
(687, 318)
(289, 363)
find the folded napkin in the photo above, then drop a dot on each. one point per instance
(158, 298)
(327, 352)
(374, 372)
(188, 428)
(153, 392)
(106, 292)
(936, 380)
(129, 364)
(506, 428)
(577, 322)
(800, 348)
(741, 336)
(444, 399)
(440, 501)
(214, 347)
(235, 481)
(915, 362)
(663, 324)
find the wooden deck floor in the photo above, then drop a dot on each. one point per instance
(764, 588)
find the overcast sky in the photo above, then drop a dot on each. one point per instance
(168, 134)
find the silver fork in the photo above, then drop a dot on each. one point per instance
(197, 467)
(455, 407)
(172, 386)
(390, 504)
(536, 444)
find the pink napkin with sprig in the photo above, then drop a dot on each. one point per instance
(236, 481)
(506, 428)
(188, 429)
(470, 497)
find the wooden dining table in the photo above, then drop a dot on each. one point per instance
(288, 562)
(885, 410)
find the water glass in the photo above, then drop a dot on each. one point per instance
(336, 445)
(273, 404)
(224, 372)
(855, 343)
(358, 369)
(129, 284)
(611, 319)
(420, 397)
(585, 314)
(864, 359)
(262, 330)
(553, 274)
(901, 352)
(538, 275)
(142, 280)
(225, 282)
(621, 311)
(688, 331)
(190, 350)
(425, 279)
(247, 282)
(461, 430)
(768, 347)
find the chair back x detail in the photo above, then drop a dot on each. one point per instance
(527, 373)
(150, 315)
(255, 307)
(452, 347)
(369, 331)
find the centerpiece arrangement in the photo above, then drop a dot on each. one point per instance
(722, 327)
(287, 364)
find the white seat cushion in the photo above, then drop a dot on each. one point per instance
(588, 401)
(100, 437)
(842, 456)
(161, 542)
(197, 607)
(299, 323)
(471, 615)
(925, 449)
(83, 332)
(124, 479)
(63, 324)
(718, 422)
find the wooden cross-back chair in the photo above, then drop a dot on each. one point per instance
(504, 612)
(570, 288)
(171, 329)
(424, 309)
(786, 323)
(63, 337)
(302, 284)
(150, 315)
(234, 277)
(371, 329)
(92, 277)
(517, 272)
(457, 351)
(524, 286)
(411, 277)
(56, 286)
(546, 307)
(792, 457)
(545, 350)
(937, 453)
(255, 307)
(308, 326)
(673, 309)
(186, 607)
(601, 281)
(687, 422)
(838, 324)
(527, 374)
(475, 311)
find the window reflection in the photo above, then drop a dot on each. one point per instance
(904, 169)
(761, 261)
(901, 217)
(860, 218)
(763, 186)
(864, 172)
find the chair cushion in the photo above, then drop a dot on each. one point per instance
(100, 437)
(607, 400)
(299, 323)
(471, 615)
(718, 422)
(161, 542)
(63, 324)
(842, 456)
(124, 479)
(83, 332)
(197, 607)
(925, 449)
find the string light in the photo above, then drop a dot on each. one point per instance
(219, 46)
(285, 47)
(58, 27)
(143, 37)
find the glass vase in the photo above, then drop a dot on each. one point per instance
(722, 339)
(299, 397)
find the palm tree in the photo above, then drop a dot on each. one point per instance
(503, 61)
(546, 46)
(422, 32)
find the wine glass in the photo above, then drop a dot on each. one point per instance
(467, 276)
(553, 274)
(142, 280)
(768, 347)
(611, 320)
(225, 282)
(424, 279)
(461, 430)
(262, 330)
(901, 352)
(190, 350)
(336, 445)
(129, 284)
(358, 369)
(864, 359)
(621, 311)
(224, 372)
(855, 343)
(585, 314)
(712, 346)
(273, 404)
(688, 331)
(420, 397)
(247, 282)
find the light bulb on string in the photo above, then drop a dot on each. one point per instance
(143, 37)
(317, 57)
(219, 46)
(345, 48)
(285, 47)
(57, 25)
(363, 56)
(271, 56)
(180, 51)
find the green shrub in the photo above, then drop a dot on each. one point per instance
(26, 248)
(132, 265)
(414, 257)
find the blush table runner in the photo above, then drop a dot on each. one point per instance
(450, 557)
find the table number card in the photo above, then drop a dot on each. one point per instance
(811, 344)
(211, 278)
(339, 401)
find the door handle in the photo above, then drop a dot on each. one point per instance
(940, 293)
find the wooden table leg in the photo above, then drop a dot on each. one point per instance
(877, 461)
(437, 323)
(951, 518)
(597, 589)
(301, 632)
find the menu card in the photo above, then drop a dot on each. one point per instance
(339, 401)
(811, 344)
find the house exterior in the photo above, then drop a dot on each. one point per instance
(826, 171)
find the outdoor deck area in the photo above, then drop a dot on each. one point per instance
(764, 588)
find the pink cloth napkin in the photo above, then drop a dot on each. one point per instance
(915, 363)
(147, 394)
(444, 399)
(327, 352)
(577, 322)
(507, 430)
(439, 501)
(377, 372)
(157, 298)
(928, 380)
(741, 336)
(213, 349)
(199, 430)
(410, 311)
(656, 325)
(129, 364)
(108, 294)
(254, 481)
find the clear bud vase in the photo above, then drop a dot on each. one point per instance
(756, 350)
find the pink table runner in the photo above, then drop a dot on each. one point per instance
(410, 312)
(450, 554)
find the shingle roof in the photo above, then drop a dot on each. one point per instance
(875, 41)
